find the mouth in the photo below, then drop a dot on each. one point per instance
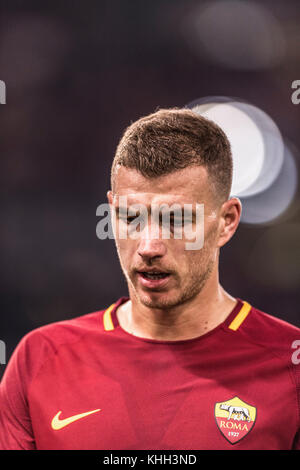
(152, 279)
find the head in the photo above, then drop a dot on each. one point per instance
(173, 156)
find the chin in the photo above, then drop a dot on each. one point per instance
(159, 300)
(171, 299)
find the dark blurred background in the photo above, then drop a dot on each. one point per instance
(77, 73)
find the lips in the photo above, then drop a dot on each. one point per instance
(154, 275)
(153, 278)
(153, 272)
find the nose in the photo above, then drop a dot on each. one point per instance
(150, 247)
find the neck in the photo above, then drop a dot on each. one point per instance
(186, 321)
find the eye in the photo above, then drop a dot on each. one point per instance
(127, 220)
(176, 222)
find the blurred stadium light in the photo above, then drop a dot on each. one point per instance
(264, 170)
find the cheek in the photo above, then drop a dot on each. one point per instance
(126, 249)
(197, 260)
(211, 235)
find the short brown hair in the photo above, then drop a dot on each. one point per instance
(173, 139)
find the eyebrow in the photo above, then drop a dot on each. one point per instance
(187, 212)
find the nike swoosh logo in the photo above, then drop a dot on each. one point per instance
(57, 423)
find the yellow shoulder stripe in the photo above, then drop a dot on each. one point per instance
(238, 320)
(107, 321)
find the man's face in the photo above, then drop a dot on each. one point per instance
(184, 271)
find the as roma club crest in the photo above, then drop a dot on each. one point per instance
(235, 418)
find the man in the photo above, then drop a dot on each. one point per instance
(180, 363)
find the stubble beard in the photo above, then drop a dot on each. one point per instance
(166, 301)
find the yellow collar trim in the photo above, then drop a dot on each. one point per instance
(107, 321)
(240, 317)
(234, 325)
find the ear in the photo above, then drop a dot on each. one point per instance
(109, 196)
(230, 218)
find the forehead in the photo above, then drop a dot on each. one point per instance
(187, 185)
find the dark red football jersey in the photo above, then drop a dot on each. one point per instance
(86, 383)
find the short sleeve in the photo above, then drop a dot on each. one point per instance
(15, 424)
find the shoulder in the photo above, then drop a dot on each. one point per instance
(42, 343)
(270, 332)
(64, 331)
